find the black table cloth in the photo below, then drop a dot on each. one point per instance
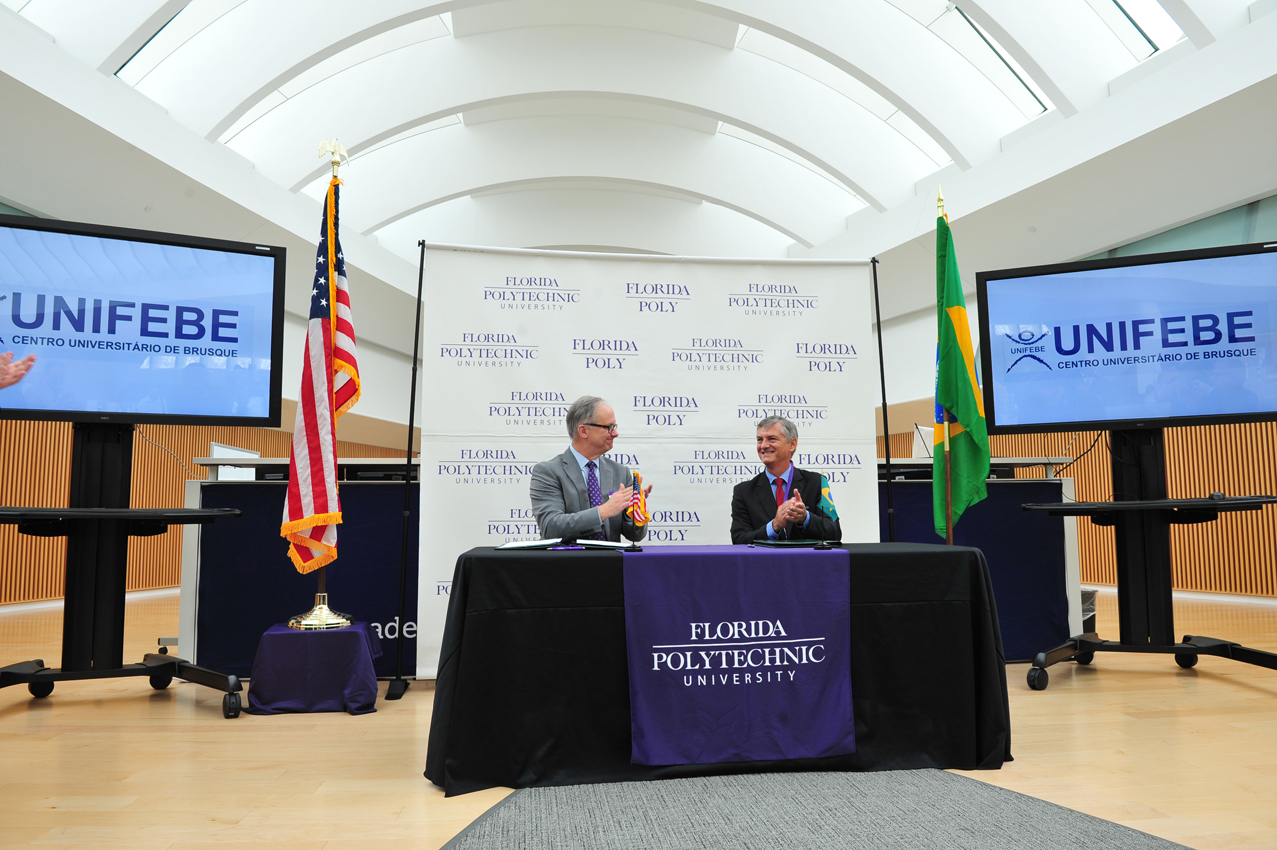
(533, 682)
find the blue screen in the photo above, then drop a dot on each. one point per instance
(1157, 341)
(126, 327)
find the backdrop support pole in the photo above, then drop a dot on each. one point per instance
(399, 685)
(886, 431)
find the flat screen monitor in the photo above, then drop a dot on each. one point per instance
(1187, 338)
(130, 326)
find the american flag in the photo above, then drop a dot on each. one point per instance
(330, 387)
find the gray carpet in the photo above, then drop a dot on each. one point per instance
(892, 810)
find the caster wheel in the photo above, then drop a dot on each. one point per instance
(1084, 657)
(40, 689)
(1186, 659)
(160, 681)
(230, 706)
(1038, 678)
(163, 650)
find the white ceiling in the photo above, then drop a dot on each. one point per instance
(713, 127)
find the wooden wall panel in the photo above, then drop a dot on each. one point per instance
(1235, 554)
(36, 472)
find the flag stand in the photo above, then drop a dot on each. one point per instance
(948, 486)
(321, 617)
(886, 431)
(399, 685)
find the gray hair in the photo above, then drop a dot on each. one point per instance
(789, 429)
(582, 412)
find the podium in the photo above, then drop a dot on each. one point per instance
(1141, 516)
(98, 525)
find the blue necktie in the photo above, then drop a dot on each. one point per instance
(596, 496)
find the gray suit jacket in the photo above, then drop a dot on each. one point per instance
(561, 501)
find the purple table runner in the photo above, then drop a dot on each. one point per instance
(738, 654)
(303, 671)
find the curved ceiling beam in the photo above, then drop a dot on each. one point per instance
(445, 76)
(895, 56)
(882, 47)
(1044, 38)
(720, 169)
(559, 216)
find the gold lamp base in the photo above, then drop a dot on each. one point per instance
(319, 617)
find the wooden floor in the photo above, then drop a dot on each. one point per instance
(1189, 755)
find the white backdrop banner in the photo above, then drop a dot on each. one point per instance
(690, 353)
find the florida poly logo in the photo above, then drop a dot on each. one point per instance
(838, 467)
(795, 408)
(530, 407)
(672, 526)
(486, 467)
(715, 466)
(613, 354)
(517, 524)
(658, 297)
(531, 293)
(486, 350)
(1026, 343)
(741, 652)
(716, 354)
(772, 299)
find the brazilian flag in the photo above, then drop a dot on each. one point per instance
(957, 391)
(826, 500)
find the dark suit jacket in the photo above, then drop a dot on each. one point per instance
(754, 507)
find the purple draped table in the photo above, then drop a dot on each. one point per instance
(738, 653)
(304, 671)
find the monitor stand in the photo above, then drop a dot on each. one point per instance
(1142, 516)
(97, 525)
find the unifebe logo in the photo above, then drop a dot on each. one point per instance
(486, 467)
(658, 297)
(772, 299)
(529, 408)
(1123, 342)
(531, 293)
(738, 652)
(716, 354)
(489, 350)
(1026, 344)
(610, 354)
(796, 408)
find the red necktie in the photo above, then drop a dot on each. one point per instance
(780, 492)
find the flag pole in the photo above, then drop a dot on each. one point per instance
(948, 469)
(398, 685)
(886, 431)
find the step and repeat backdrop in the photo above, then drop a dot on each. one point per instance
(691, 353)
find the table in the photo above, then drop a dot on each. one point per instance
(305, 671)
(93, 613)
(533, 683)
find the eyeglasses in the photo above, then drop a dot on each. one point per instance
(611, 429)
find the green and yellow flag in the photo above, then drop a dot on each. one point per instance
(957, 391)
(827, 500)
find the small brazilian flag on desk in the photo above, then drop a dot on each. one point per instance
(826, 500)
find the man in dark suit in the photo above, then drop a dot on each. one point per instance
(580, 494)
(782, 502)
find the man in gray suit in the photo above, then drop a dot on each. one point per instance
(580, 494)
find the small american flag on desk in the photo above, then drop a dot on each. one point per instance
(330, 387)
